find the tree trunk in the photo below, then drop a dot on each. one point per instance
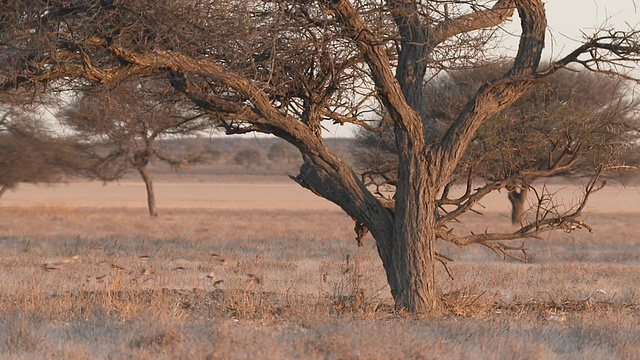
(414, 258)
(151, 198)
(414, 239)
(518, 199)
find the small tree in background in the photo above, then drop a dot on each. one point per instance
(247, 157)
(124, 124)
(566, 127)
(29, 154)
(281, 152)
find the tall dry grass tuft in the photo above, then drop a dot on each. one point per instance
(22, 335)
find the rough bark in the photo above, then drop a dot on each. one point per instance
(413, 56)
(414, 237)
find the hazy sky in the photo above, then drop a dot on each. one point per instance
(566, 18)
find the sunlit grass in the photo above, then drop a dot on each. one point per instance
(201, 283)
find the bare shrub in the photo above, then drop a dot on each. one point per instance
(22, 336)
(247, 157)
(282, 152)
(161, 341)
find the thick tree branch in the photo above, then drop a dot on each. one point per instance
(494, 97)
(501, 11)
(376, 57)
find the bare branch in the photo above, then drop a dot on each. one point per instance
(621, 49)
(501, 11)
(548, 218)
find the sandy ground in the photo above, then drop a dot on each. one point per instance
(248, 193)
(169, 195)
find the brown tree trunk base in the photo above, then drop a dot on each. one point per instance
(413, 282)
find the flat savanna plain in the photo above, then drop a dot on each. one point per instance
(256, 267)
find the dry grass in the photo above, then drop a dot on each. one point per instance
(80, 283)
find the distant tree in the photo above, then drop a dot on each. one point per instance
(124, 124)
(28, 154)
(247, 157)
(212, 154)
(566, 126)
(282, 152)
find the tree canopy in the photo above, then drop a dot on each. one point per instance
(30, 154)
(122, 126)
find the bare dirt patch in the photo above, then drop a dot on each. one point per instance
(230, 193)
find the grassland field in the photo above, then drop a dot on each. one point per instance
(255, 267)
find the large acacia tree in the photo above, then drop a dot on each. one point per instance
(281, 67)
